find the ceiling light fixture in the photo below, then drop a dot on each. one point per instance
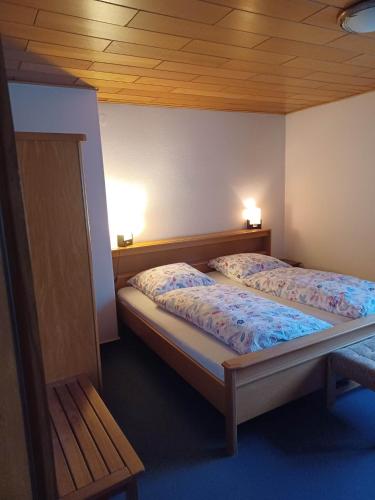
(360, 18)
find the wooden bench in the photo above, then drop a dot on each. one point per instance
(92, 456)
(355, 363)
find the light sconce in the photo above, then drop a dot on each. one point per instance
(124, 242)
(252, 214)
(359, 18)
(126, 204)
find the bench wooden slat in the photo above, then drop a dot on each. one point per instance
(102, 487)
(64, 479)
(105, 445)
(123, 446)
(93, 458)
(72, 452)
(88, 446)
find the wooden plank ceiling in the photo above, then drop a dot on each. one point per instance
(273, 56)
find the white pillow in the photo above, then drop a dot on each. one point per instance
(162, 279)
(241, 265)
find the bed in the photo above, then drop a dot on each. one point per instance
(239, 386)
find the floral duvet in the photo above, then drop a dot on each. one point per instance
(239, 318)
(336, 293)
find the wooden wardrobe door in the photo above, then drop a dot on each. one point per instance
(56, 220)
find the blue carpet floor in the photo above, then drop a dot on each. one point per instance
(297, 452)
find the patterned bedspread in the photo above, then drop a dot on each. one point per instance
(239, 318)
(335, 293)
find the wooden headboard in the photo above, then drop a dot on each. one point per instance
(195, 250)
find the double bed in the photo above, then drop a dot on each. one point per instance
(239, 386)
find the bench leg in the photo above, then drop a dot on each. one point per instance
(132, 490)
(330, 386)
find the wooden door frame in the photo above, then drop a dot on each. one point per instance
(21, 297)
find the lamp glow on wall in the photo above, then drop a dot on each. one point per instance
(126, 203)
(252, 214)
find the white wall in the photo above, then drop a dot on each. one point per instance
(330, 186)
(196, 167)
(39, 108)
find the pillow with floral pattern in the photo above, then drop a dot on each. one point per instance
(162, 279)
(242, 265)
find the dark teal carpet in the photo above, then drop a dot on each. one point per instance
(297, 452)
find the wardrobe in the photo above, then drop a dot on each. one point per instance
(53, 191)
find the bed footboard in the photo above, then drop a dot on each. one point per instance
(258, 382)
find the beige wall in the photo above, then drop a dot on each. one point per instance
(330, 186)
(194, 168)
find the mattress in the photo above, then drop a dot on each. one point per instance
(199, 345)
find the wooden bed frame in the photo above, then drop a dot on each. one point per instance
(254, 383)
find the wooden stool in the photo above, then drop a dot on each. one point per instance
(355, 362)
(93, 458)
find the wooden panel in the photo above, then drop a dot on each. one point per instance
(162, 87)
(108, 84)
(339, 3)
(35, 77)
(10, 43)
(244, 97)
(356, 43)
(308, 50)
(164, 24)
(88, 9)
(193, 10)
(57, 229)
(298, 82)
(232, 52)
(267, 69)
(166, 54)
(293, 10)
(272, 391)
(134, 99)
(327, 67)
(276, 27)
(97, 29)
(351, 80)
(101, 75)
(208, 102)
(363, 60)
(44, 49)
(326, 18)
(225, 105)
(370, 74)
(153, 73)
(65, 62)
(203, 70)
(50, 36)
(17, 13)
(17, 55)
(195, 250)
(171, 83)
(210, 42)
(354, 89)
